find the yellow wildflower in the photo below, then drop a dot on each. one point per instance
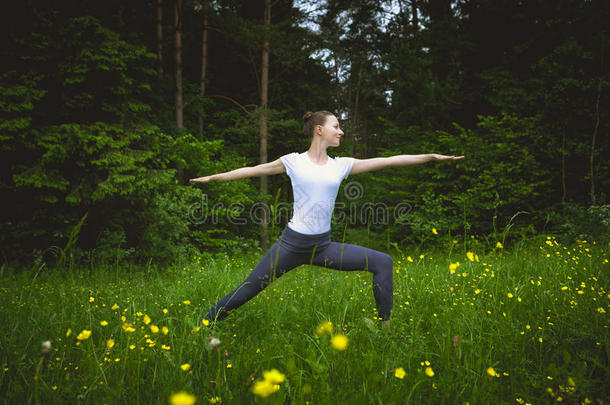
(182, 398)
(434, 231)
(110, 343)
(104, 323)
(499, 245)
(114, 307)
(324, 327)
(264, 388)
(154, 328)
(274, 376)
(84, 335)
(492, 372)
(470, 256)
(185, 367)
(164, 330)
(128, 328)
(146, 319)
(400, 373)
(453, 266)
(68, 332)
(339, 342)
(91, 299)
(429, 372)
(186, 302)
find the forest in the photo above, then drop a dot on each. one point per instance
(108, 108)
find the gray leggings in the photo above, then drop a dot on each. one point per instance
(293, 249)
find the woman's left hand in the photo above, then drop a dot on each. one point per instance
(444, 157)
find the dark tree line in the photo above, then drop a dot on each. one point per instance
(108, 108)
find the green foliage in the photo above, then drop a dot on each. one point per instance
(88, 125)
(582, 223)
(500, 176)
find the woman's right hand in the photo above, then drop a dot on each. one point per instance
(205, 179)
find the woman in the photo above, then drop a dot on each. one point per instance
(315, 181)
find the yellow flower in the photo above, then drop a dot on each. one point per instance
(186, 302)
(131, 347)
(477, 291)
(68, 332)
(164, 347)
(91, 299)
(146, 319)
(434, 231)
(499, 245)
(128, 328)
(492, 372)
(324, 327)
(84, 335)
(339, 342)
(103, 323)
(154, 328)
(215, 400)
(274, 376)
(185, 367)
(114, 307)
(165, 311)
(470, 256)
(400, 373)
(205, 322)
(453, 266)
(110, 343)
(429, 372)
(510, 295)
(409, 259)
(164, 330)
(264, 388)
(182, 398)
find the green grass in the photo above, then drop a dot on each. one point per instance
(536, 314)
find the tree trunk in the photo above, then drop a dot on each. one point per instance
(563, 163)
(354, 123)
(204, 60)
(596, 128)
(178, 106)
(263, 127)
(414, 18)
(160, 38)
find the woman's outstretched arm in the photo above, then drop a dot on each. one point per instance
(275, 167)
(368, 165)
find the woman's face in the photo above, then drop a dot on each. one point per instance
(331, 131)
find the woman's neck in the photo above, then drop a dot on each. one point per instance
(317, 153)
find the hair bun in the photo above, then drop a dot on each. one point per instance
(307, 116)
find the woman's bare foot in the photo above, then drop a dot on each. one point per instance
(371, 324)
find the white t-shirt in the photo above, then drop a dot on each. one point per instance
(315, 189)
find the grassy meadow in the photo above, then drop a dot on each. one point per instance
(479, 325)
